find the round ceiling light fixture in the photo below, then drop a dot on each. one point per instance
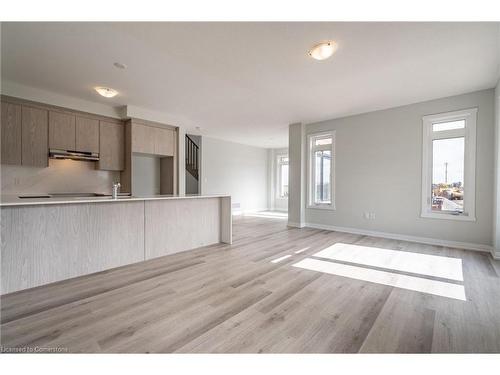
(106, 92)
(120, 65)
(323, 50)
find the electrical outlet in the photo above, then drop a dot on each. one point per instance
(366, 215)
(372, 215)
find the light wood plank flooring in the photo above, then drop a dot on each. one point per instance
(234, 299)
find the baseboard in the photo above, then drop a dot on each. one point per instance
(296, 225)
(402, 237)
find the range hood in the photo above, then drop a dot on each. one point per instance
(73, 155)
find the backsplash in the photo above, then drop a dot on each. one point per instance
(61, 176)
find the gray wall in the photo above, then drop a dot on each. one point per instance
(496, 218)
(235, 169)
(378, 169)
(145, 175)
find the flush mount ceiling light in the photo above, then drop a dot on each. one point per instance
(106, 92)
(324, 50)
(120, 65)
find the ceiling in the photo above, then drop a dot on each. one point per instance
(245, 82)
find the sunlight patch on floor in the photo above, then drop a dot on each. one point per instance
(423, 264)
(438, 288)
(277, 260)
(302, 250)
(269, 214)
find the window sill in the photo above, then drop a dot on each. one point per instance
(445, 216)
(330, 207)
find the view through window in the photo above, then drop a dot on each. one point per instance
(321, 154)
(283, 176)
(448, 165)
(448, 174)
(323, 176)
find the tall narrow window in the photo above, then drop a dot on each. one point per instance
(448, 168)
(283, 176)
(321, 171)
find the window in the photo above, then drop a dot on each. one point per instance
(282, 176)
(448, 166)
(321, 170)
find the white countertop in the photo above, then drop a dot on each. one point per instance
(13, 200)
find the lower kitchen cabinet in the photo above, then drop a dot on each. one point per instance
(44, 244)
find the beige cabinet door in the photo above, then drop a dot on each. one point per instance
(87, 134)
(35, 132)
(164, 142)
(152, 140)
(62, 131)
(142, 139)
(11, 133)
(111, 146)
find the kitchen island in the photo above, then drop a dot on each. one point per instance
(46, 240)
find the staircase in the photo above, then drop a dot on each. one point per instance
(192, 157)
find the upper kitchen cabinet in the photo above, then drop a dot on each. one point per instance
(34, 134)
(62, 131)
(112, 146)
(11, 133)
(73, 133)
(152, 140)
(87, 134)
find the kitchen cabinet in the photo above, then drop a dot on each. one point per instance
(111, 146)
(62, 131)
(87, 134)
(34, 135)
(152, 140)
(11, 133)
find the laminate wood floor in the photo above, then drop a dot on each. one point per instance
(251, 297)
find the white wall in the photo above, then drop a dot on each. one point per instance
(235, 169)
(378, 169)
(496, 218)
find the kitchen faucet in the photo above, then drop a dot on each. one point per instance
(116, 190)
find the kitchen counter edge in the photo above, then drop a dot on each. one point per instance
(13, 201)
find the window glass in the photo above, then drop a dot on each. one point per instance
(282, 176)
(322, 178)
(284, 181)
(323, 141)
(450, 125)
(448, 174)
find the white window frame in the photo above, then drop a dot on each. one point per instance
(469, 134)
(278, 174)
(311, 169)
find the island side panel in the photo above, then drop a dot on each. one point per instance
(173, 226)
(226, 230)
(44, 244)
